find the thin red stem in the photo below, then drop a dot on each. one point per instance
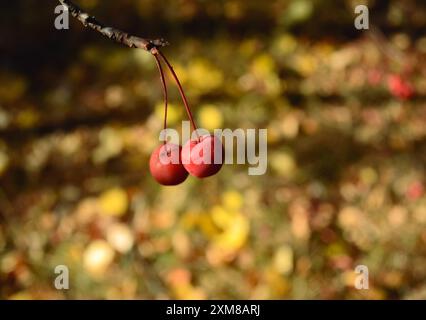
(165, 94)
(182, 93)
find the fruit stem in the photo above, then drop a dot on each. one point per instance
(181, 91)
(165, 94)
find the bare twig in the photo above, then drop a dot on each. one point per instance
(110, 32)
(153, 46)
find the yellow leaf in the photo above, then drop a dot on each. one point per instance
(235, 236)
(221, 217)
(174, 112)
(283, 260)
(113, 202)
(189, 220)
(284, 164)
(210, 117)
(305, 64)
(263, 66)
(204, 76)
(232, 200)
(207, 226)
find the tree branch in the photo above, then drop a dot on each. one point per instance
(110, 32)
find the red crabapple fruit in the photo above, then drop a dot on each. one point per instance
(166, 166)
(204, 156)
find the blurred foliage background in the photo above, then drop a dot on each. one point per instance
(346, 117)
